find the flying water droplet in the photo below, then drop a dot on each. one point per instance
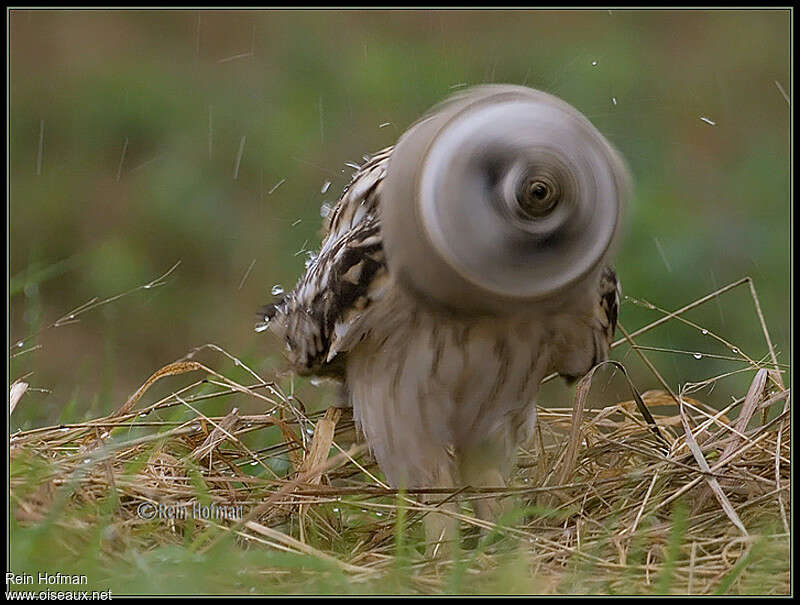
(262, 326)
(697, 355)
(614, 100)
(325, 210)
(594, 63)
(277, 290)
(325, 186)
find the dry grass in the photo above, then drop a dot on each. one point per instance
(610, 500)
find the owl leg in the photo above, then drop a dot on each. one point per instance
(441, 528)
(486, 464)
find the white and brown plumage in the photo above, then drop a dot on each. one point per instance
(442, 365)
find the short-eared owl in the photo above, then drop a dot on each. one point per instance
(459, 268)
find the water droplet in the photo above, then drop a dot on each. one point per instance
(704, 332)
(277, 290)
(708, 121)
(384, 125)
(594, 63)
(325, 210)
(20, 343)
(143, 415)
(310, 431)
(697, 355)
(262, 326)
(65, 429)
(336, 510)
(254, 463)
(87, 461)
(735, 350)
(316, 381)
(614, 100)
(325, 186)
(71, 316)
(379, 514)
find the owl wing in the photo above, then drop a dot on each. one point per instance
(583, 341)
(610, 294)
(325, 314)
(606, 314)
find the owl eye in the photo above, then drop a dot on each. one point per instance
(537, 196)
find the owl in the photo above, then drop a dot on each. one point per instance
(458, 268)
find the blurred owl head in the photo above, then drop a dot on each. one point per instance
(501, 197)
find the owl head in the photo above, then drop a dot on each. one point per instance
(501, 197)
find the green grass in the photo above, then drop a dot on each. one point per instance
(77, 492)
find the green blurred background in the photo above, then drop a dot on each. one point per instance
(127, 128)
